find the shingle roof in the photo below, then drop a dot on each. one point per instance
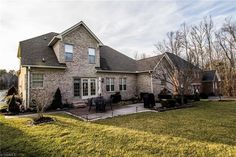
(35, 49)
(180, 63)
(148, 63)
(113, 60)
(208, 76)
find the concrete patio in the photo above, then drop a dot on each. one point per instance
(86, 115)
(117, 111)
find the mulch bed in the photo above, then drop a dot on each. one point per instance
(162, 109)
(41, 120)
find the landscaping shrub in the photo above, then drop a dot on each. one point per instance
(168, 103)
(160, 96)
(212, 94)
(11, 91)
(178, 99)
(56, 103)
(17, 98)
(196, 97)
(67, 105)
(116, 97)
(165, 94)
(203, 96)
(13, 106)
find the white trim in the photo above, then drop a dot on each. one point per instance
(125, 72)
(89, 87)
(31, 81)
(28, 88)
(158, 62)
(52, 42)
(71, 29)
(168, 60)
(44, 66)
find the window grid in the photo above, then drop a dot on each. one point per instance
(110, 84)
(68, 52)
(122, 84)
(91, 55)
(37, 80)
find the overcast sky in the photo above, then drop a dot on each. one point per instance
(128, 26)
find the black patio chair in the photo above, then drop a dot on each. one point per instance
(109, 102)
(91, 103)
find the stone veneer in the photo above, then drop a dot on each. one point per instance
(131, 80)
(78, 68)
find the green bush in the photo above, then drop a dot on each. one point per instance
(57, 102)
(11, 91)
(13, 106)
(168, 103)
(17, 98)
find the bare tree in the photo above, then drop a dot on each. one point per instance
(197, 36)
(208, 28)
(41, 102)
(178, 77)
(226, 38)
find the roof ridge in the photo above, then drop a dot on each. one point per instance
(149, 57)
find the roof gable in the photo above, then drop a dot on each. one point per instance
(148, 64)
(179, 62)
(67, 31)
(211, 75)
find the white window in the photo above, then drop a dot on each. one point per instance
(37, 80)
(68, 52)
(91, 55)
(122, 83)
(110, 87)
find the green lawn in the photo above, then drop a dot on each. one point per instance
(208, 129)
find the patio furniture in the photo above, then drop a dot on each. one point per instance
(91, 103)
(109, 102)
(116, 97)
(149, 100)
(100, 104)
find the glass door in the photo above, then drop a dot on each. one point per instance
(85, 87)
(89, 87)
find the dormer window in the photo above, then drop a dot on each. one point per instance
(68, 52)
(91, 55)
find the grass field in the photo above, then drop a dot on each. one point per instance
(208, 129)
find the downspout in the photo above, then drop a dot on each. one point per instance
(28, 89)
(151, 82)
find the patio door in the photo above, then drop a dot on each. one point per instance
(89, 88)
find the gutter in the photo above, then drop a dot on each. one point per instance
(43, 66)
(125, 72)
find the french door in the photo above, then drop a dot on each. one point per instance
(89, 87)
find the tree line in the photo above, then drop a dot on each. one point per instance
(208, 46)
(8, 79)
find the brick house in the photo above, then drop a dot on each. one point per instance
(79, 64)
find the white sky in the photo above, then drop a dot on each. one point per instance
(128, 26)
